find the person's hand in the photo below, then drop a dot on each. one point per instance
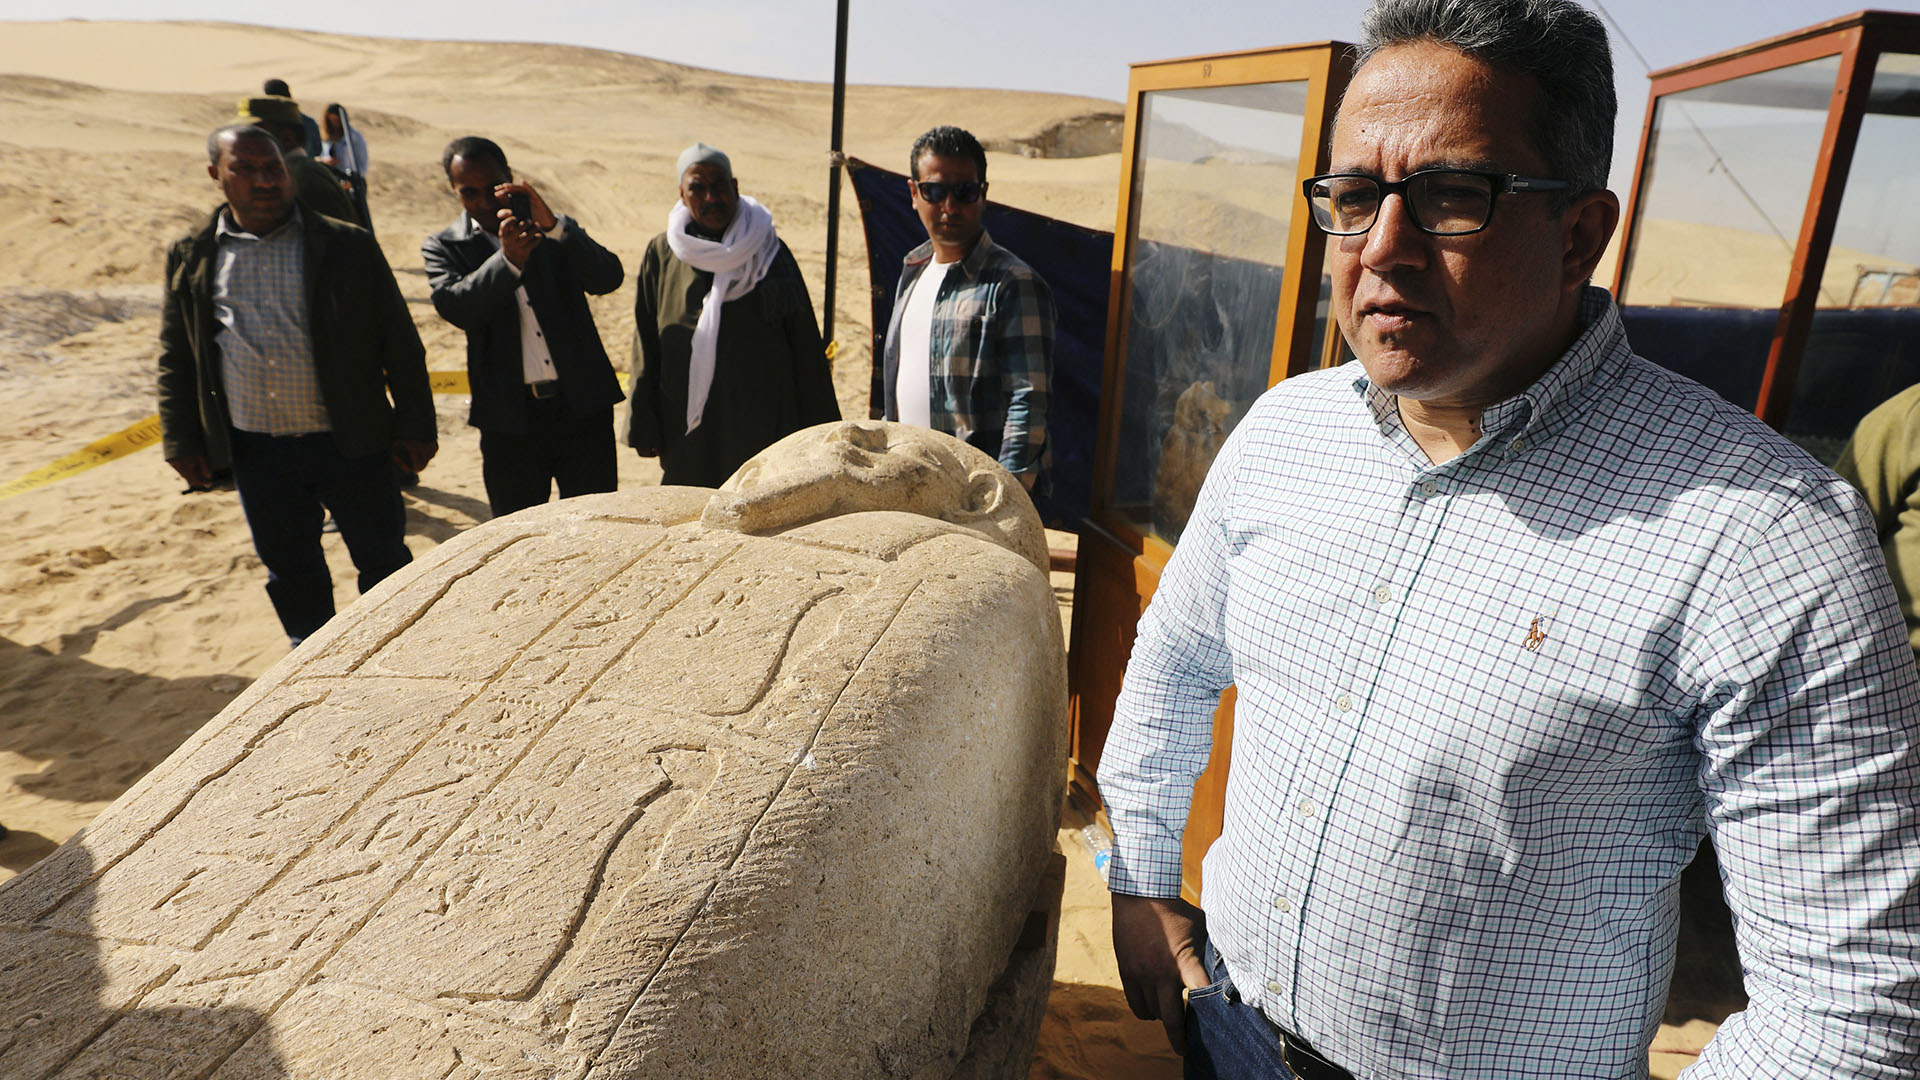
(194, 470)
(1154, 944)
(542, 217)
(414, 454)
(518, 239)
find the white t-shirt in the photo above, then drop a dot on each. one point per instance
(912, 384)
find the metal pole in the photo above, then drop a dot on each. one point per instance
(833, 177)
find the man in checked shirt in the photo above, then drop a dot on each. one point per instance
(969, 350)
(288, 355)
(1515, 617)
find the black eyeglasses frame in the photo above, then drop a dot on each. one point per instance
(1503, 183)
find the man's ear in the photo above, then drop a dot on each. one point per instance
(214, 171)
(1589, 224)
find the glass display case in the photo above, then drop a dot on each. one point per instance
(1772, 244)
(1217, 293)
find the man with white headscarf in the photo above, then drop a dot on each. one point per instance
(726, 353)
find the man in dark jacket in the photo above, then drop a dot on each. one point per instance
(543, 389)
(282, 336)
(726, 353)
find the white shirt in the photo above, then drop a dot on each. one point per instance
(1487, 708)
(536, 360)
(912, 383)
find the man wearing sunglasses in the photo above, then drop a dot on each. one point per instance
(969, 348)
(1515, 618)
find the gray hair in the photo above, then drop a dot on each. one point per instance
(1558, 42)
(239, 132)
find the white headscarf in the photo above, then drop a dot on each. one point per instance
(737, 261)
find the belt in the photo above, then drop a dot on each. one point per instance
(1304, 1063)
(544, 390)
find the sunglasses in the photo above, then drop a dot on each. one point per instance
(965, 192)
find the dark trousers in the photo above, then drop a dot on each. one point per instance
(1228, 1039)
(286, 483)
(575, 452)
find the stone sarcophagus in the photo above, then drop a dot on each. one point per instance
(667, 783)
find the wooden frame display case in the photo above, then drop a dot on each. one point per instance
(1217, 293)
(1772, 237)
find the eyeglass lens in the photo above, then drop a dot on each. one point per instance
(966, 191)
(1444, 203)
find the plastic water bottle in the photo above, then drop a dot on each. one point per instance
(1100, 843)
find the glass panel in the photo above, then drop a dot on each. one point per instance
(1728, 173)
(1864, 345)
(1212, 200)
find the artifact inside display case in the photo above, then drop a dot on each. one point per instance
(1211, 179)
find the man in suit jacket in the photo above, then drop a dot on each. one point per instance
(282, 337)
(543, 389)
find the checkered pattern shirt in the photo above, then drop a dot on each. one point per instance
(1487, 708)
(992, 353)
(266, 354)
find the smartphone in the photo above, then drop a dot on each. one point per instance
(521, 204)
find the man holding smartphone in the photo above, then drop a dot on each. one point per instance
(515, 276)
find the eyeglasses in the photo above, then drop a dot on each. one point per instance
(966, 192)
(1442, 202)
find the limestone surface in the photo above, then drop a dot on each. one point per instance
(662, 783)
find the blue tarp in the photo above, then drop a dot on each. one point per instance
(1075, 263)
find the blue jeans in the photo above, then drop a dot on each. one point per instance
(1227, 1038)
(284, 482)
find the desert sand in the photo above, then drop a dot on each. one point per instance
(133, 613)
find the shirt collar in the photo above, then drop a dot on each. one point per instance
(226, 228)
(1554, 400)
(969, 267)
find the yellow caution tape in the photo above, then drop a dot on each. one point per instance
(455, 382)
(147, 433)
(447, 382)
(118, 445)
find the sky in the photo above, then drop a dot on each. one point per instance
(1068, 46)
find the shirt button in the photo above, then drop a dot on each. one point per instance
(1383, 594)
(1343, 703)
(1430, 487)
(1283, 903)
(1274, 985)
(1307, 809)
(1517, 445)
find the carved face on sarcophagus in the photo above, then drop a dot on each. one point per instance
(665, 783)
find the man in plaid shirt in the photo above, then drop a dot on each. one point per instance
(970, 346)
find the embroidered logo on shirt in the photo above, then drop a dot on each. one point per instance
(1536, 637)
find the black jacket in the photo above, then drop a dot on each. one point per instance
(365, 346)
(478, 297)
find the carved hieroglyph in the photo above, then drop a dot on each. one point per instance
(663, 783)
